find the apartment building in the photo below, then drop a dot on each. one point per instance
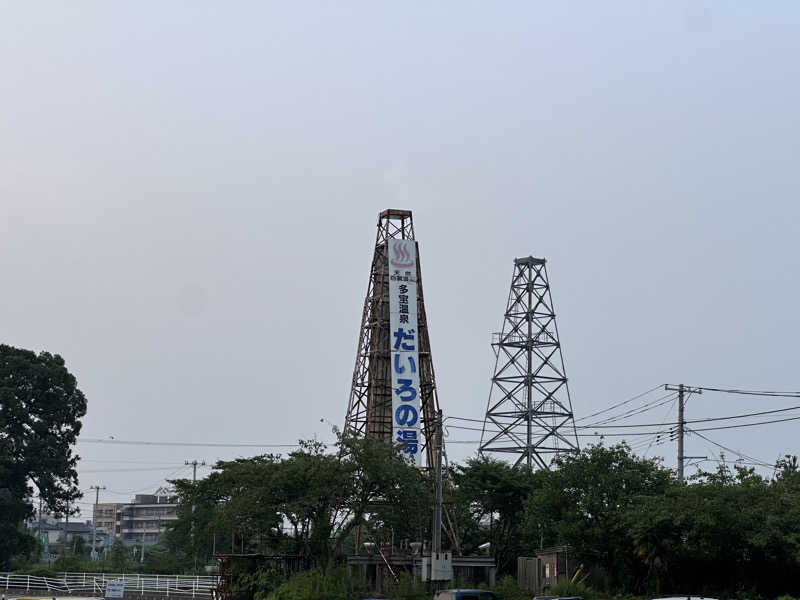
(139, 522)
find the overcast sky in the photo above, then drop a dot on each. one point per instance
(189, 193)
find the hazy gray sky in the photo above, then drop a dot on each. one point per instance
(189, 193)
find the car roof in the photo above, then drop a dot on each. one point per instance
(687, 597)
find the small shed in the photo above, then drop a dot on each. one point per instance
(538, 573)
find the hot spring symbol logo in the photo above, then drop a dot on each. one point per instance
(402, 257)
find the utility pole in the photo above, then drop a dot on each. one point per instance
(41, 537)
(194, 464)
(96, 489)
(436, 545)
(437, 509)
(682, 391)
(66, 525)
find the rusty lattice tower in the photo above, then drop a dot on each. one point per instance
(369, 410)
(529, 412)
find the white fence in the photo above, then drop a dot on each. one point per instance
(94, 584)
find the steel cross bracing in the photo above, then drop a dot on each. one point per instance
(529, 412)
(369, 410)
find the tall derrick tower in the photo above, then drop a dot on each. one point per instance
(393, 393)
(529, 412)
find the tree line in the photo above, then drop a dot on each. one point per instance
(625, 517)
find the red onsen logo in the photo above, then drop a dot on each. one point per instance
(402, 257)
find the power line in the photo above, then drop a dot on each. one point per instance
(123, 461)
(739, 461)
(624, 402)
(752, 392)
(744, 424)
(706, 420)
(464, 419)
(656, 440)
(130, 470)
(736, 452)
(149, 486)
(635, 425)
(654, 404)
(521, 424)
(589, 435)
(661, 401)
(170, 443)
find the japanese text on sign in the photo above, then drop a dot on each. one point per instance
(404, 347)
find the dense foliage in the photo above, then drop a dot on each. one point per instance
(307, 504)
(627, 518)
(728, 531)
(731, 530)
(489, 500)
(40, 411)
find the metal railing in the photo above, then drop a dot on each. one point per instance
(94, 584)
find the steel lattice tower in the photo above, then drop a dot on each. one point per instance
(369, 410)
(529, 412)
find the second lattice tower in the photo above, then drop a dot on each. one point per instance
(529, 412)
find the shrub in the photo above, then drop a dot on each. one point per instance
(313, 585)
(71, 563)
(409, 588)
(38, 571)
(568, 588)
(508, 589)
(258, 585)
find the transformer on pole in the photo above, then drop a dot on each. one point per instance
(529, 411)
(369, 410)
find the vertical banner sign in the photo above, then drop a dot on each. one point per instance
(404, 350)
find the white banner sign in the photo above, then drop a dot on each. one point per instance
(403, 340)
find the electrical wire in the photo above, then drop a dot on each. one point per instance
(591, 435)
(131, 470)
(660, 401)
(706, 420)
(731, 450)
(122, 461)
(635, 425)
(643, 408)
(656, 440)
(744, 424)
(465, 419)
(751, 392)
(170, 443)
(624, 402)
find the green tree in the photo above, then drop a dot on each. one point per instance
(244, 504)
(79, 546)
(160, 559)
(40, 411)
(490, 496)
(71, 562)
(376, 485)
(582, 501)
(119, 557)
(729, 530)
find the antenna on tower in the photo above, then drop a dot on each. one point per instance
(529, 411)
